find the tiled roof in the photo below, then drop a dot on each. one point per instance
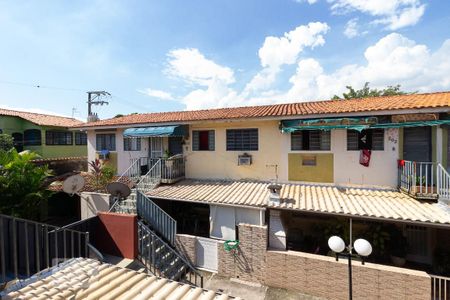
(319, 198)
(81, 278)
(416, 101)
(41, 119)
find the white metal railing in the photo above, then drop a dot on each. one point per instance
(440, 287)
(418, 178)
(151, 179)
(443, 183)
(133, 172)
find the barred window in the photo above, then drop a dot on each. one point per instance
(131, 144)
(370, 139)
(58, 138)
(80, 138)
(312, 140)
(203, 140)
(242, 139)
(32, 137)
(106, 142)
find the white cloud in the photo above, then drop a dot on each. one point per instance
(285, 50)
(192, 66)
(394, 14)
(394, 59)
(352, 28)
(309, 1)
(157, 94)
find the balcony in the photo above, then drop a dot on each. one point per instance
(172, 168)
(424, 180)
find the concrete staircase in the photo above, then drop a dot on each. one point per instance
(127, 206)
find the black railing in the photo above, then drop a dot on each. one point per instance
(27, 247)
(156, 218)
(161, 259)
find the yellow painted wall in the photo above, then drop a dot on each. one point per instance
(222, 164)
(321, 172)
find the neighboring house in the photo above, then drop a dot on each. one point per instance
(47, 135)
(211, 169)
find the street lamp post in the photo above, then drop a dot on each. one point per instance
(361, 246)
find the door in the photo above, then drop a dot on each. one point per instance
(156, 147)
(18, 141)
(417, 144)
(175, 145)
(206, 254)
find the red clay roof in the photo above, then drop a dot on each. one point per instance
(41, 119)
(415, 101)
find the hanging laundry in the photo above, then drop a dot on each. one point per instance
(364, 157)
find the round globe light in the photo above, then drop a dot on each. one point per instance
(363, 247)
(336, 244)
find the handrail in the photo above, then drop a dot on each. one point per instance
(156, 217)
(443, 182)
(440, 287)
(418, 178)
(97, 253)
(151, 178)
(136, 161)
(152, 256)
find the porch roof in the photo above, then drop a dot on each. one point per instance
(83, 278)
(156, 131)
(358, 202)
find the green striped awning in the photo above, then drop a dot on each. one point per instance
(177, 130)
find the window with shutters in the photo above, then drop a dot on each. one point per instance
(80, 138)
(131, 144)
(203, 140)
(310, 140)
(369, 139)
(106, 142)
(242, 139)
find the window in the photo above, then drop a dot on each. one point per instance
(58, 138)
(32, 137)
(242, 139)
(203, 140)
(80, 138)
(311, 140)
(370, 139)
(132, 144)
(106, 142)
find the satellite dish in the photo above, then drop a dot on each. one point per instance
(118, 189)
(73, 184)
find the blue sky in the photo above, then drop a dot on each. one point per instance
(177, 55)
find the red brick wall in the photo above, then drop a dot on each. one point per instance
(116, 234)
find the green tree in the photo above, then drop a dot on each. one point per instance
(6, 142)
(366, 91)
(23, 186)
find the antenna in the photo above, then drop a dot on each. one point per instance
(73, 184)
(95, 98)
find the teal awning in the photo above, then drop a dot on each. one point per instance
(177, 130)
(351, 123)
(328, 124)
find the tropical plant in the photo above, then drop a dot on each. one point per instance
(23, 188)
(6, 142)
(366, 91)
(379, 236)
(103, 173)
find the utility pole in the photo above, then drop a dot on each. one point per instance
(95, 98)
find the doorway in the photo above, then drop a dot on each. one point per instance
(417, 144)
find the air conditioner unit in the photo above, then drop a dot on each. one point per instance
(244, 160)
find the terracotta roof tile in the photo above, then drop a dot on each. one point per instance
(415, 101)
(42, 119)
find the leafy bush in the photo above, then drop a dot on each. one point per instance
(103, 174)
(6, 142)
(22, 184)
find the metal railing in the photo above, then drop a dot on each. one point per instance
(418, 178)
(151, 179)
(172, 168)
(156, 218)
(440, 287)
(133, 172)
(27, 247)
(443, 183)
(160, 258)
